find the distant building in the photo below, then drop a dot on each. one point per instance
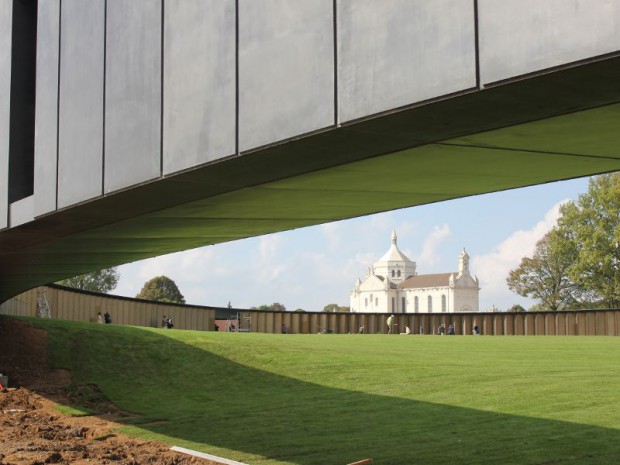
(392, 285)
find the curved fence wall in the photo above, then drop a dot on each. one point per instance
(574, 323)
(69, 304)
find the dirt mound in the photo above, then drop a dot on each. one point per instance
(33, 432)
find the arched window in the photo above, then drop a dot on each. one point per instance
(416, 304)
(393, 305)
(398, 273)
(366, 301)
(404, 305)
(393, 273)
(430, 304)
(443, 304)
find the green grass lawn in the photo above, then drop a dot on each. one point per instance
(334, 399)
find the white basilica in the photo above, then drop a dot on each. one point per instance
(392, 285)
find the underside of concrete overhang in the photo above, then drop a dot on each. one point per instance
(557, 125)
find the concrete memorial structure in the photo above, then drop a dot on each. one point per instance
(133, 128)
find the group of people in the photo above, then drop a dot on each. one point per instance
(441, 330)
(106, 318)
(166, 322)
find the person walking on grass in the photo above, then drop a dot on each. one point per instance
(389, 322)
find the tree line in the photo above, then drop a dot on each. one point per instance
(577, 263)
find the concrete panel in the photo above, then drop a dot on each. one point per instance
(286, 69)
(611, 323)
(519, 325)
(80, 138)
(590, 320)
(529, 325)
(550, 324)
(498, 325)
(199, 113)
(571, 324)
(80, 155)
(524, 36)
(21, 211)
(133, 93)
(6, 15)
(561, 324)
(600, 324)
(46, 115)
(582, 323)
(399, 52)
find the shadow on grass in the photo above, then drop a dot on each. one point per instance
(213, 404)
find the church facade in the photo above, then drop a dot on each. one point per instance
(392, 285)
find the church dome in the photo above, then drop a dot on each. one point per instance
(394, 254)
(395, 265)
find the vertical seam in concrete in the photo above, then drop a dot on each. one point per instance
(477, 45)
(161, 103)
(237, 77)
(57, 180)
(105, 68)
(335, 20)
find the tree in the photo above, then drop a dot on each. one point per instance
(594, 225)
(330, 308)
(545, 276)
(97, 281)
(335, 308)
(262, 308)
(161, 289)
(275, 307)
(517, 308)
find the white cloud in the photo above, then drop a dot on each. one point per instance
(492, 269)
(268, 268)
(334, 233)
(438, 235)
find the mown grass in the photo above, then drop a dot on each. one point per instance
(334, 399)
(74, 410)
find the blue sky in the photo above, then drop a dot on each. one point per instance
(311, 267)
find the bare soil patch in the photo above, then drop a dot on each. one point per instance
(33, 432)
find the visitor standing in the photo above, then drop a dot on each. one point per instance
(389, 322)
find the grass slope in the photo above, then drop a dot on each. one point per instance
(330, 399)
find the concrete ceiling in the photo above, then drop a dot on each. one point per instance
(559, 125)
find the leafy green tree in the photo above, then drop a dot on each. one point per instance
(161, 289)
(335, 308)
(545, 276)
(593, 223)
(517, 308)
(97, 281)
(537, 308)
(276, 307)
